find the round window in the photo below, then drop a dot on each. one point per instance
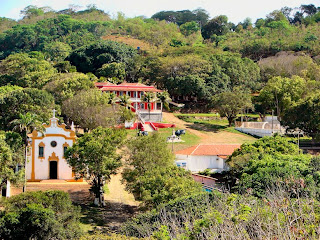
(53, 144)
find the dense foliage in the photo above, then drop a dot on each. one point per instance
(25, 100)
(184, 52)
(229, 216)
(151, 175)
(94, 157)
(273, 163)
(52, 59)
(40, 215)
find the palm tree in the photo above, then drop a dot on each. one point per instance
(164, 98)
(113, 99)
(26, 124)
(148, 97)
(125, 101)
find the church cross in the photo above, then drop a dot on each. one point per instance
(54, 113)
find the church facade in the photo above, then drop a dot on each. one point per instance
(45, 155)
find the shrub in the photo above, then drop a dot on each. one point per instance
(40, 215)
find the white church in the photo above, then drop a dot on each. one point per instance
(45, 155)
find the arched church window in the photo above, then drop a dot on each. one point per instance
(41, 150)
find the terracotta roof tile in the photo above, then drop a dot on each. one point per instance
(107, 86)
(222, 150)
(187, 151)
(132, 84)
(104, 84)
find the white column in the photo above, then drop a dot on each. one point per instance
(8, 192)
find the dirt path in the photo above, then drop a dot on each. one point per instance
(117, 192)
(120, 205)
(209, 137)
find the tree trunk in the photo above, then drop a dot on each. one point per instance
(230, 120)
(25, 170)
(99, 194)
(25, 164)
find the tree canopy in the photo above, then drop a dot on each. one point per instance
(25, 100)
(40, 215)
(94, 156)
(90, 58)
(151, 175)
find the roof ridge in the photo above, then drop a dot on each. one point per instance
(217, 144)
(195, 149)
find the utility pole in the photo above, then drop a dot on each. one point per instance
(299, 140)
(172, 139)
(272, 123)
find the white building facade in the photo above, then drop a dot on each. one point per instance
(45, 157)
(201, 157)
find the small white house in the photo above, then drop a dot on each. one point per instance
(45, 157)
(200, 157)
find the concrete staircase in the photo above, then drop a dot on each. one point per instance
(147, 128)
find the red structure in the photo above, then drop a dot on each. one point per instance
(135, 91)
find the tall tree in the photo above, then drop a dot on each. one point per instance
(21, 101)
(304, 115)
(65, 85)
(164, 98)
(90, 109)
(230, 104)
(7, 165)
(280, 92)
(25, 124)
(218, 26)
(125, 101)
(150, 173)
(26, 70)
(148, 98)
(94, 156)
(90, 58)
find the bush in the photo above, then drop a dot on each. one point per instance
(230, 216)
(40, 215)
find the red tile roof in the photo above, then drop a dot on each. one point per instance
(222, 151)
(101, 84)
(126, 87)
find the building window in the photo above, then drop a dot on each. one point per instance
(142, 105)
(64, 150)
(129, 94)
(134, 94)
(41, 151)
(121, 93)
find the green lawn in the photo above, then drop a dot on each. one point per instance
(189, 139)
(209, 122)
(253, 115)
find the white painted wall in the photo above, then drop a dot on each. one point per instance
(260, 132)
(42, 165)
(200, 163)
(8, 193)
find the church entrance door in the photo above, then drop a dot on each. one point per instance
(53, 169)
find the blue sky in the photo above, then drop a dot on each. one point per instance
(236, 10)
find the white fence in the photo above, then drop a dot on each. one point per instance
(261, 129)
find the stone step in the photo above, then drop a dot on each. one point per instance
(148, 128)
(53, 181)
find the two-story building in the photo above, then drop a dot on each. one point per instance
(153, 112)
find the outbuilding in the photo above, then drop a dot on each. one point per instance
(204, 156)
